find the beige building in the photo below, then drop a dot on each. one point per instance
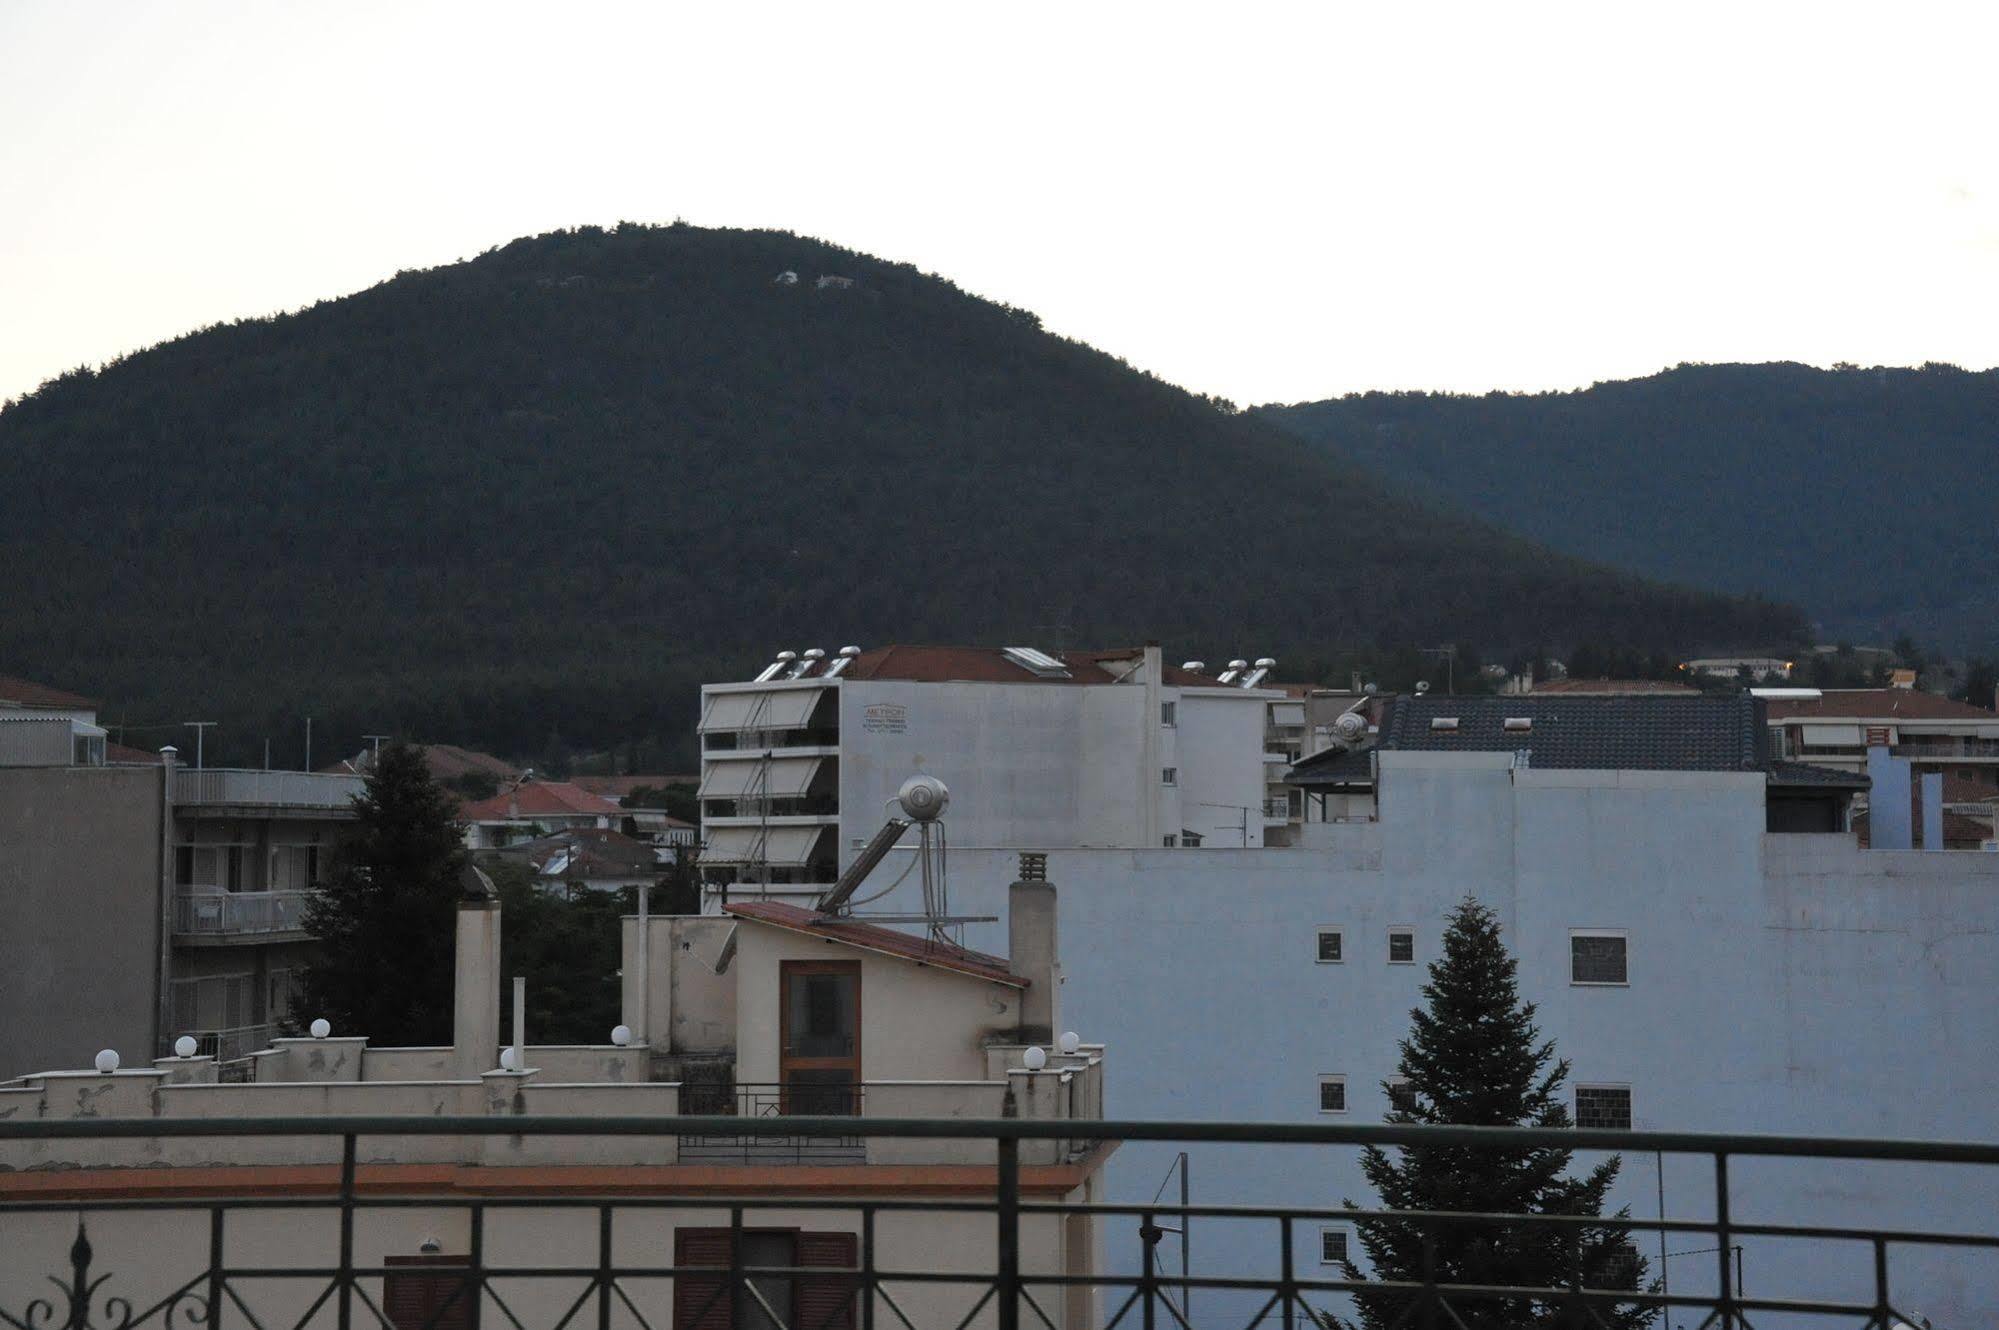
(767, 1010)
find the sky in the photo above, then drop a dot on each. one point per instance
(1265, 202)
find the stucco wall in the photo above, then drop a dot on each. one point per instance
(79, 914)
(917, 1022)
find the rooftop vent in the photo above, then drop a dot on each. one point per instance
(1444, 723)
(1519, 724)
(1036, 662)
(1033, 866)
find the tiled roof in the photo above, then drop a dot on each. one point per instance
(119, 753)
(28, 693)
(1885, 704)
(958, 664)
(446, 762)
(589, 852)
(617, 787)
(1804, 773)
(1958, 790)
(538, 798)
(873, 937)
(1613, 686)
(1958, 830)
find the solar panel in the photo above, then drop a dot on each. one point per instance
(1036, 662)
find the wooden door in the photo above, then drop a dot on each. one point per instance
(820, 1037)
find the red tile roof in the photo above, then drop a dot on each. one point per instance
(28, 693)
(120, 753)
(1875, 704)
(446, 762)
(873, 937)
(1593, 686)
(539, 798)
(954, 664)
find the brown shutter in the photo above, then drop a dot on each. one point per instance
(417, 1301)
(826, 1302)
(701, 1302)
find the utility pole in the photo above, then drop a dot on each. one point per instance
(200, 728)
(308, 743)
(376, 739)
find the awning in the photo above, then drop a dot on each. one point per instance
(1287, 713)
(1832, 736)
(771, 709)
(772, 778)
(781, 847)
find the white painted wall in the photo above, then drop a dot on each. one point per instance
(1787, 984)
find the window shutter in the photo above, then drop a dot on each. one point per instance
(701, 1302)
(826, 1302)
(418, 1301)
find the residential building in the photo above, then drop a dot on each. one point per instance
(449, 765)
(1834, 727)
(1703, 961)
(1611, 686)
(766, 1009)
(530, 808)
(151, 898)
(1109, 749)
(591, 859)
(1736, 667)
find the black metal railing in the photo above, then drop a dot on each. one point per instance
(874, 1274)
(745, 1100)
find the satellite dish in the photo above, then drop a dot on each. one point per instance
(923, 798)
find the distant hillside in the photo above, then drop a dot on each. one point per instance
(555, 487)
(1869, 496)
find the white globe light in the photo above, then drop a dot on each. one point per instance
(107, 1060)
(321, 1028)
(621, 1035)
(509, 1061)
(1035, 1057)
(1071, 1041)
(184, 1046)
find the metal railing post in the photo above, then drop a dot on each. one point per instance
(1433, 1298)
(1290, 1273)
(1148, 1238)
(1881, 1310)
(1725, 1304)
(1009, 1237)
(477, 1260)
(346, 1231)
(737, 1281)
(868, 1268)
(604, 1267)
(215, 1259)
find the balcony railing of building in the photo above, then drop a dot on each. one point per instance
(745, 1101)
(269, 789)
(231, 1047)
(240, 913)
(724, 741)
(862, 1281)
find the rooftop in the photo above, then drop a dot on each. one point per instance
(539, 798)
(873, 937)
(446, 762)
(1893, 704)
(27, 693)
(1594, 686)
(966, 664)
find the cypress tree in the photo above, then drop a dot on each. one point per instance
(1474, 1057)
(384, 919)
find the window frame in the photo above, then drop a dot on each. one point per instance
(1169, 777)
(1396, 930)
(1345, 1235)
(1169, 714)
(1326, 1080)
(1319, 935)
(1394, 1083)
(1622, 934)
(1630, 1104)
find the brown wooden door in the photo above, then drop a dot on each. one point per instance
(820, 1037)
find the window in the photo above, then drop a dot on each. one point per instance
(1169, 714)
(1332, 1246)
(1332, 1094)
(1172, 842)
(1597, 956)
(704, 1302)
(1401, 1095)
(414, 1301)
(1332, 944)
(1190, 839)
(1170, 776)
(1605, 1106)
(1401, 946)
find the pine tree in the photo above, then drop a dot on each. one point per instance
(1474, 1057)
(384, 920)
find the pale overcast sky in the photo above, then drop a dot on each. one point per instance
(1265, 202)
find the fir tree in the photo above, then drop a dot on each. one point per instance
(384, 920)
(1474, 1057)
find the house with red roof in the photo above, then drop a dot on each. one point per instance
(531, 808)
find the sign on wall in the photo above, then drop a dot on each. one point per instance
(885, 718)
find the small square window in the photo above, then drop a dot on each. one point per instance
(1172, 842)
(1170, 776)
(1604, 1106)
(1332, 1246)
(1401, 1095)
(1332, 945)
(1332, 1094)
(1401, 946)
(1597, 956)
(1169, 714)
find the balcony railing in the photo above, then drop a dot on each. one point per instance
(744, 1101)
(724, 741)
(225, 1046)
(271, 789)
(121, 1270)
(240, 913)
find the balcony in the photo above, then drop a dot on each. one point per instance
(239, 916)
(296, 793)
(225, 1046)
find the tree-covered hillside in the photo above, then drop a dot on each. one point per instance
(1870, 496)
(555, 487)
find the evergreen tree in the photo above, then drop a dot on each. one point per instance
(384, 920)
(1474, 1057)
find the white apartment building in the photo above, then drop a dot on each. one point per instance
(1098, 749)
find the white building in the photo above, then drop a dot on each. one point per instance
(1099, 749)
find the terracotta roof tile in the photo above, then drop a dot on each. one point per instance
(536, 798)
(1594, 686)
(28, 693)
(873, 937)
(1876, 704)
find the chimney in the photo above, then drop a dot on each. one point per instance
(475, 1025)
(1888, 800)
(1031, 950)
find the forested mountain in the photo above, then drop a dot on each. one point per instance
(555, 487)
(1870, 496)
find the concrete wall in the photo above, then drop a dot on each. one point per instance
(80, 917)
(1792, 984)
(1220, 742)
(690, 1000)
(917, 1022)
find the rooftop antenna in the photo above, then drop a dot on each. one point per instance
(376, 739)
(200, 728)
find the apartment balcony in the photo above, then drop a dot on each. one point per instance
(755, 743)
(224, 918)
(1280, 810)
(225, 1046)
(223, 792)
